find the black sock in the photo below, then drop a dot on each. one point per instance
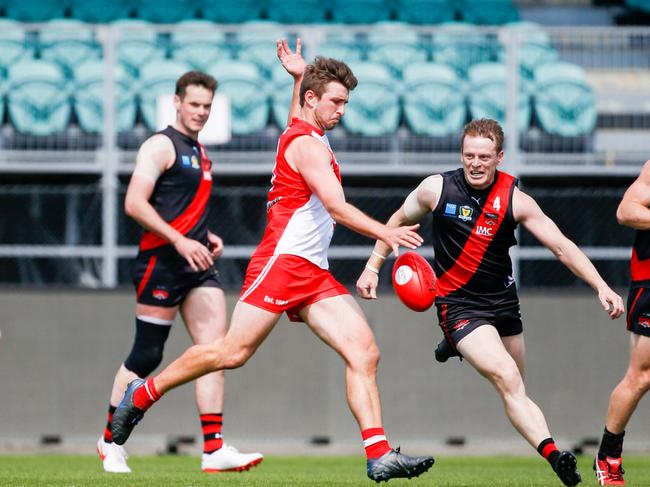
(611, 445)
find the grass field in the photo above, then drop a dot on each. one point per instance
(276, 471)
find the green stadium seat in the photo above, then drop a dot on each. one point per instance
(35, 10)
(459, 46)
(231, 12)
(137, 44)
(425, 11)
(165, 11)
(488, 12)
(38, 98)
(89, 93)
(535, 47)
(488, 95)
(433, 99)
(281, 93)
(296, 11)
(342, 44)
(374, 108)
(643, 5)
(360, 11)
(157, 78)
(257, 44)
(396, 45)
(564, 102)
(198, 43)
(248, 92)
(100, 11)
(14, 44)
(68, 43)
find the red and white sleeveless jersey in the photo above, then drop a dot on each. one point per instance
(298, 223)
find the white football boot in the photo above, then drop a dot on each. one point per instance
(229, 459)
(113, 457)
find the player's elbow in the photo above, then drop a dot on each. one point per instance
(623, 216)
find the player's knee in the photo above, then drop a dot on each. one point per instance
(508, 379)
(643, 381)
(237, 357)
(365, 359)
(147, 351)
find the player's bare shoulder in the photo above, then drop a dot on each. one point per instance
(306, 150)
(158, 149)
(430, 190)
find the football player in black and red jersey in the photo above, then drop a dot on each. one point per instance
(475, 211)
(634, 212)
(169, 196)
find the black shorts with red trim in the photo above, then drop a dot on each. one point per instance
(163, 278)
(638, 310)
(457, 321)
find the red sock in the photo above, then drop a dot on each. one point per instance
(548, 450)
(375, 442)
(211, 426)
(108, 437)
(145, 396)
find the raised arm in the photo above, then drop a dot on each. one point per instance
(312, 160)
(295, 66)
(527, 212)
(419, 202)
(156, 155)
(634, 211)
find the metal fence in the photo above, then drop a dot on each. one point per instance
(62, 193)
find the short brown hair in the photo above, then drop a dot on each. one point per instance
(484, 127)
(323, 71)
(195, 78)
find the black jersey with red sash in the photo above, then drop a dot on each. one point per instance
(472, 233)
(182, 192)
(640, 262)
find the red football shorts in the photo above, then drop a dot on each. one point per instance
(287, 283)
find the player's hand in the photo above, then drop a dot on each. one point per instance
(215, 244)
(612, 303)
(195, 253)
(405, 236)
(367, 284)
(292, 61)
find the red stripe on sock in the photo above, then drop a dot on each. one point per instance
(376, 449)
(145, 396)
(548, 449)
(108, 437)
(210, 446)
(211, 428)
(211, 418)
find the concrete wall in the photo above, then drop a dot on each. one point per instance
(59, 352)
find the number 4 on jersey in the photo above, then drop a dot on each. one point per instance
(496, 204)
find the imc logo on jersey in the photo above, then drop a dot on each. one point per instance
(485, 231)
(195, 162)
(450, 209)
(465, 213)
(160, 294)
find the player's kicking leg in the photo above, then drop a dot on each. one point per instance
(249, 327)
(340, 322)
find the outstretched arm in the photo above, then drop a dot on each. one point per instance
(311, 159)
(295, 66)
(530, 215)
(419, 202)
(634, 209)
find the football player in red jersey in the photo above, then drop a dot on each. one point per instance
(168, 195)
(289, 270)
(634, 212)
(475, 211)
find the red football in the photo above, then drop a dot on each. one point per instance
(414, 281)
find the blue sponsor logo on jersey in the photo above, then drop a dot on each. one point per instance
(450, 209)
(186, 160)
